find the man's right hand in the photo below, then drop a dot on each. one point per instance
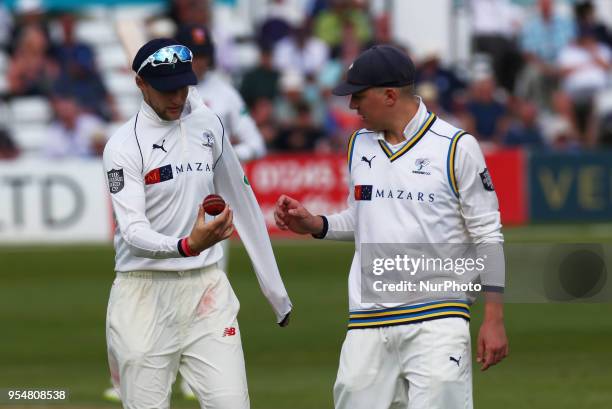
(205, 235)
(289, 214)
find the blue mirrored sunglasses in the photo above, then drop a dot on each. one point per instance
(167, 56)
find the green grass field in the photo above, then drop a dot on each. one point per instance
(53, 305)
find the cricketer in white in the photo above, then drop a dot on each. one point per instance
(414, 178)
(158, 173)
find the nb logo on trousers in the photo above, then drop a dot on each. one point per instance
(229, 332)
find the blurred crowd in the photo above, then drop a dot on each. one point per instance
(535, 76)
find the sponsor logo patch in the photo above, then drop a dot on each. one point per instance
(159, 175)
(487, 182)
(363, 192)
(116, 181)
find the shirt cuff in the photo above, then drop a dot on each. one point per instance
(323, 232)
(184, 250)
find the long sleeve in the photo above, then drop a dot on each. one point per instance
(480, 208)
(126, 185)
(340, 226)
(231, 183)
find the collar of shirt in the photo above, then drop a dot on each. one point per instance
(412, 127)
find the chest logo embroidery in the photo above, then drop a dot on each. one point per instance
(208, 140)
(421, 164)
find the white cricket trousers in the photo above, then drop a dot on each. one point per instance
(159, 323)
(425, 365)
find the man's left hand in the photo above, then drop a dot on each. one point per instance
(492, 343)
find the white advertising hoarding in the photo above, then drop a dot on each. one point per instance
(54, 202)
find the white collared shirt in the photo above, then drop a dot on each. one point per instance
(158, 174)
(434, 189)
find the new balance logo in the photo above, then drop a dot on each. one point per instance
(368, 161)
(455, 360)
(229, 332)
(156, 146)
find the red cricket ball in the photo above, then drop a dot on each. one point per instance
(213, 204)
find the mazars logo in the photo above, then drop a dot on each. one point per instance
(403, 194)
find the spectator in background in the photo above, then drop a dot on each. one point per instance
(78, 74)
(302, 134)
(431, 98)
(542, 39)
(584, 12)
(262, 112)
(6, 26)
(261, 81)
(292, 85)
(272, 30)
(329, 24)
(487, 115)
(559, 124)
(74, 132)
(446, 82)
(339, 120)
(28, 13)
(561, 136)
(350, 47)
(30, 70)
(494, 23)
(297, 89)
(185, 12)
(524, 129)
(8, 148)
(300, 52)
(585, 69)
(280, 16)
(382, 30)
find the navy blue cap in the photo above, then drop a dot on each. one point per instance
(197, 37)
(378, 66)
(163, 77)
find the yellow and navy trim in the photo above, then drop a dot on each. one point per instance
(413, 141)
(450, 162)
(351, 147)
(409, 314)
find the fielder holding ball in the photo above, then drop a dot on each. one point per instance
(171, 308)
